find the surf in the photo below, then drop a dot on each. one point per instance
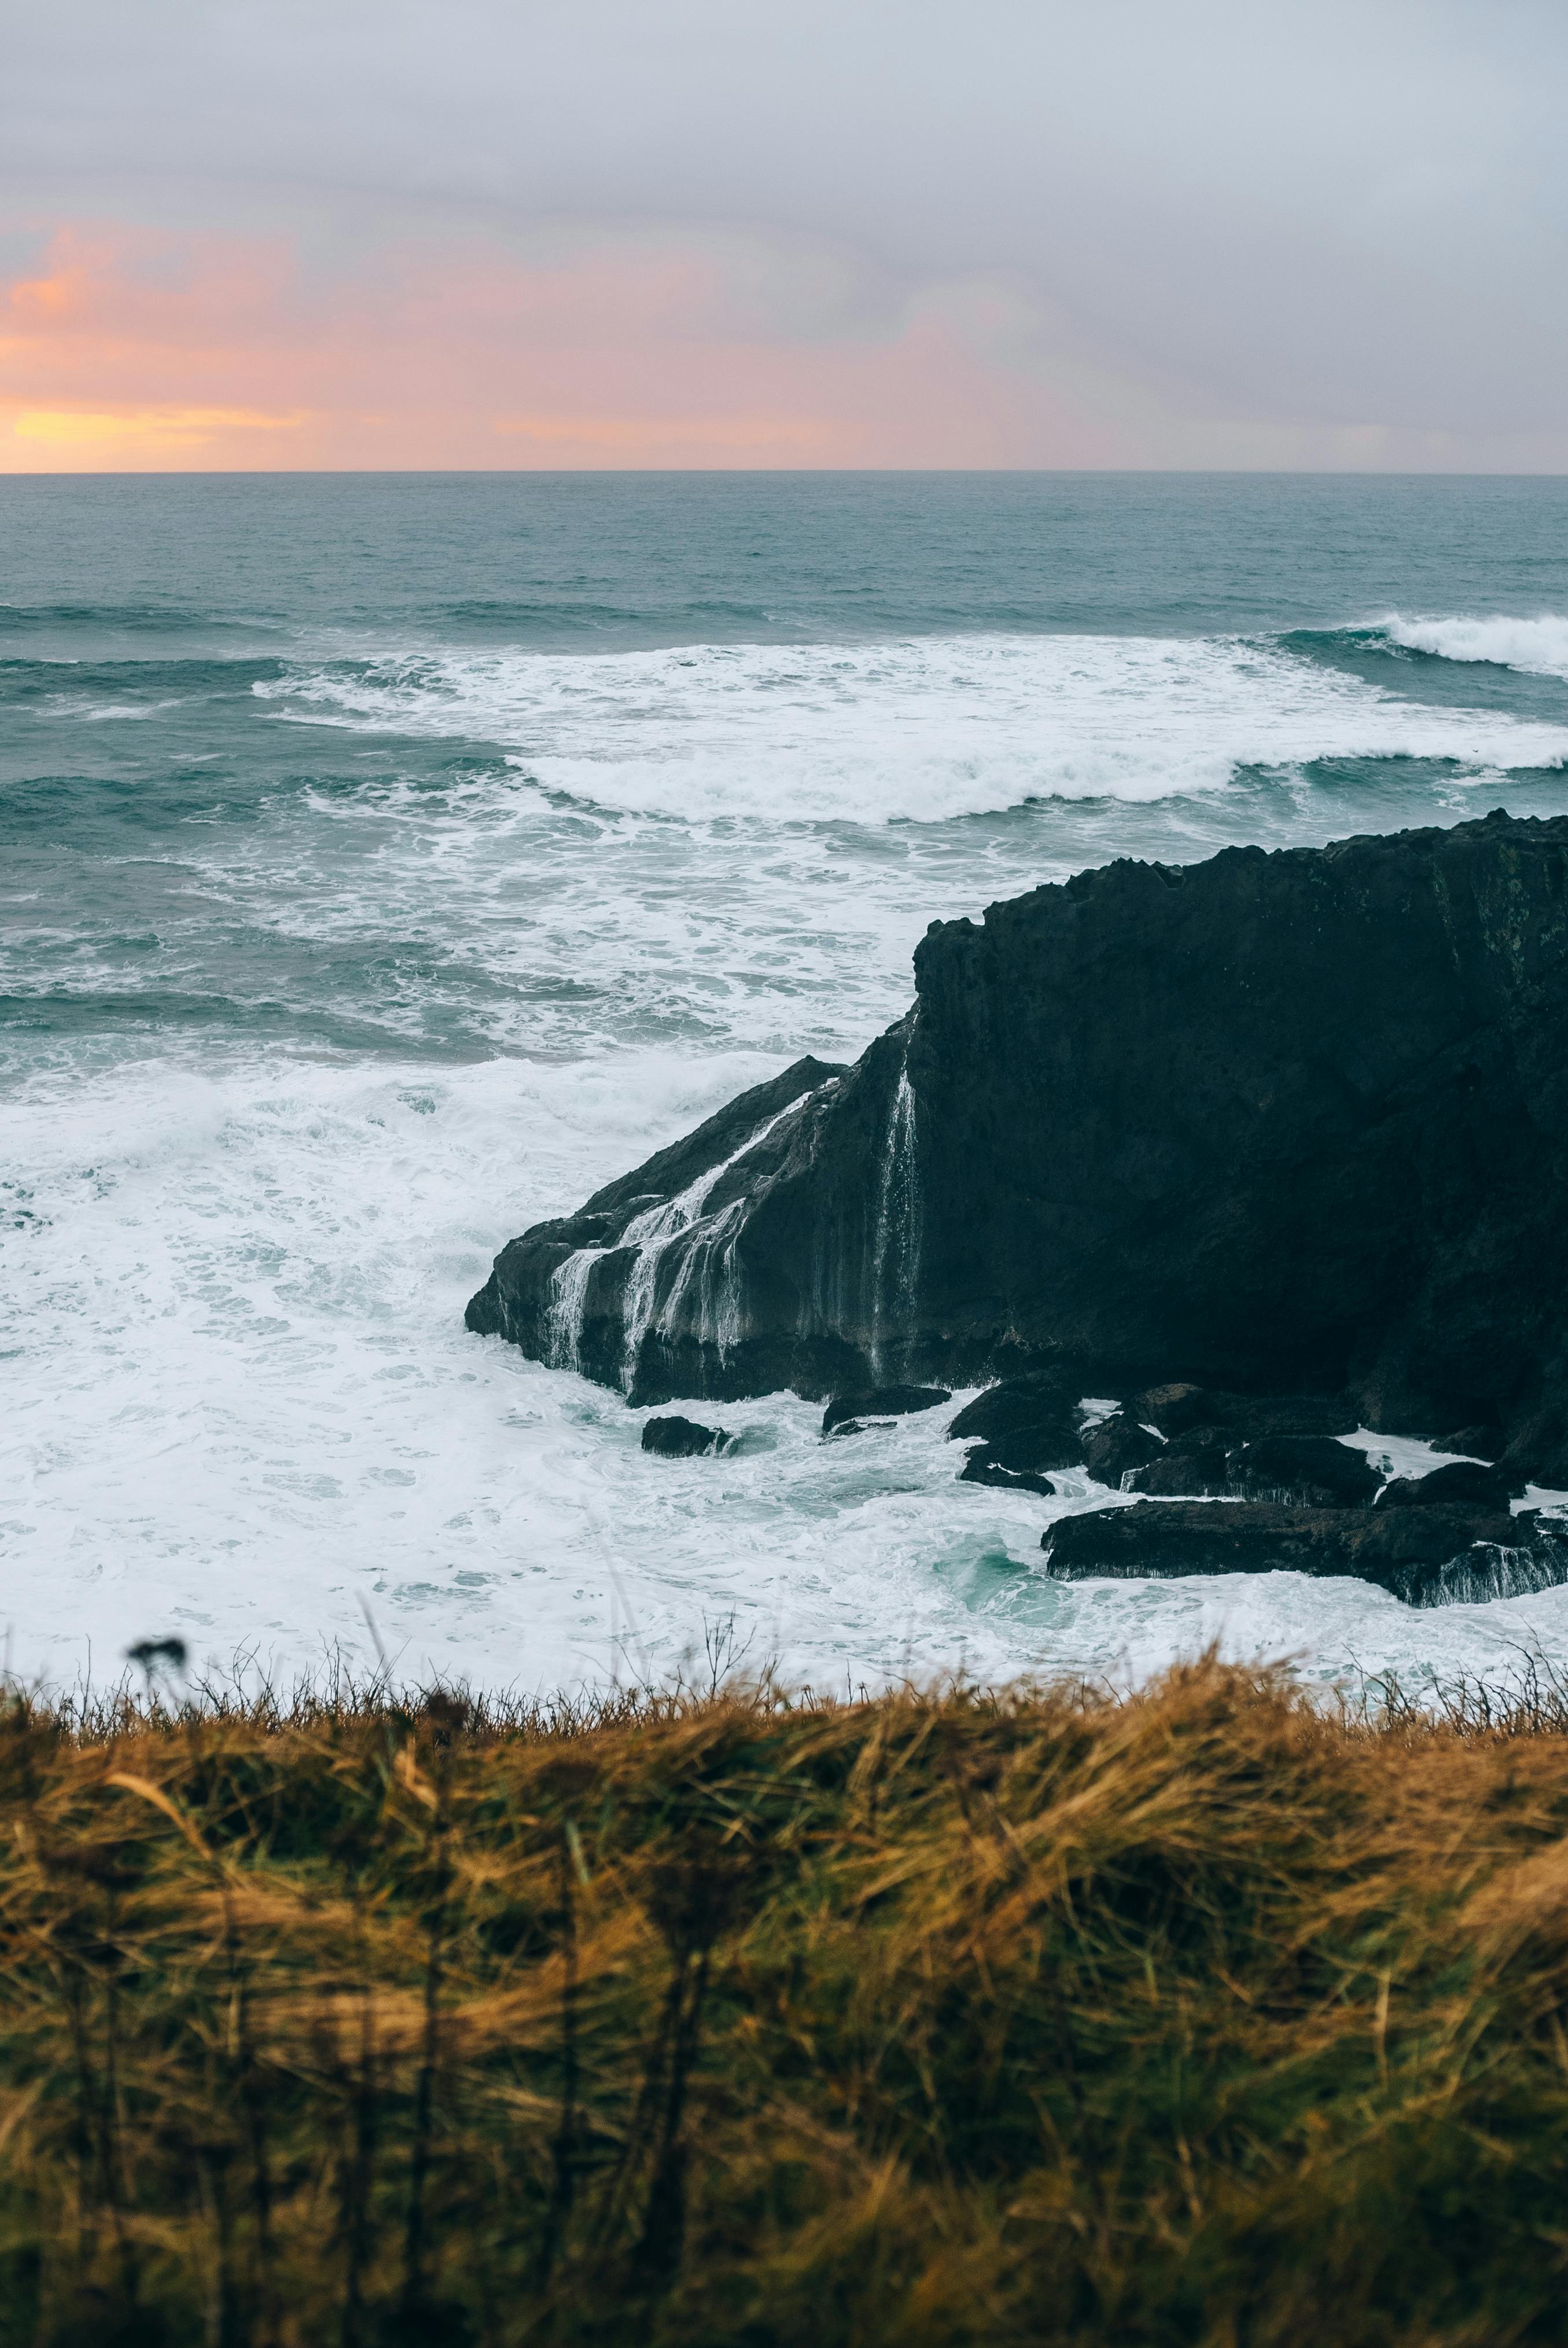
(923, 730)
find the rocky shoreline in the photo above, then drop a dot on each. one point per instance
(1218, 1483)
(1272, 1126)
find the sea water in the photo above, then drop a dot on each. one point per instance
(389, 862)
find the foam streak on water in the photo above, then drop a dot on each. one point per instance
(386, 866)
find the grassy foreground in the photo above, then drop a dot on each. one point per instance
(1197, 2017)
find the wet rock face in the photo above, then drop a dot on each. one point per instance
(1190, 1469)
(1176, 1441)
(643, 1288)
(1431, 1556)
(1223, 1488)
(1271, 1123)
(1119, 1446)
(1464, 1481)
(1259, 1121)
(1477, 1442)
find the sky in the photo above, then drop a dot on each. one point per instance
(561, 233)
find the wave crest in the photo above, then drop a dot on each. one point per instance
(1539, 646)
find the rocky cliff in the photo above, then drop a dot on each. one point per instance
(1289, 1123)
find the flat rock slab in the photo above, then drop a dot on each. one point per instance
(1302, 1471)
(1183, 1410)
(1428, 1555)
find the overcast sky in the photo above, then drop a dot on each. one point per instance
(701, 231)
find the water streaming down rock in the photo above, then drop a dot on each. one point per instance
(706, 1284)
(567, 1302)
(1488, 1572)
(648, 1236)
(895, 1259)
(646, 1288)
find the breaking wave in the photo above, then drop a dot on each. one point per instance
(1539, 647)
(921, 730)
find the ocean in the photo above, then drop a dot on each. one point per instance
(387, 861)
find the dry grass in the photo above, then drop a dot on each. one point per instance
(1193, 2018)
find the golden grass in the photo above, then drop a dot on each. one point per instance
(1197, 2017)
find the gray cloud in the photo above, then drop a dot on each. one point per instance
(1288, 219)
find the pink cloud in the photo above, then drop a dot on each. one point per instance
(136, 350)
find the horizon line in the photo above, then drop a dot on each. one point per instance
(776, 472)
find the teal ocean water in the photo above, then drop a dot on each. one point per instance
(386, 862)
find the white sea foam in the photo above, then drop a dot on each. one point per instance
(923, 730)
(1538, 646)
(251, 1413)
(241, 1401)
(1402, 1454)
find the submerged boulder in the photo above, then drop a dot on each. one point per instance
(682, 1438)
(1270, 1125)
(881, 1402)
(983, 1466)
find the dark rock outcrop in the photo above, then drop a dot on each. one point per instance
(1197, 1465)
(1289, 1123)
(983, 1466)
(1436, 1556)
(1117, 1447)
(1037, 1408)
(1205, 1412)
(682, 1438)
(1305, 1471)
(1026, 1425)
(1473, 1442)
(881, 1402)
(1308, 1471)
(1463, 1483)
